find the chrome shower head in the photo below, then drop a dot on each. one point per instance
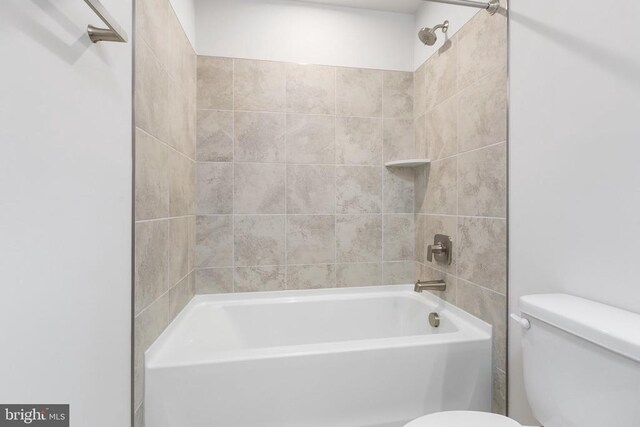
(428, 35)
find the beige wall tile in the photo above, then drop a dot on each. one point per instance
(441, 187)
(180, 295)
(152, 321)
(214, 241)
(398, 140)
(311, 239)
(259, 85)
(359, 141)
(151, 262)
(399, 237)
(441, 130)
(420, 182)
(215, 136)
(311, 189)
(259, 137)
(420, 91)
(440, 74)
(263, 278)
(138, 417)
(214, 188)
(214, 280)
(182, 60)
(192, 242)
(259, 240)
(490, 307)
(398, 192)
(182, 117)
(482, 182)
(215, 83)
(482, 47)
(359, 92)
(178, 249)
(181, 184)
(360, 274)
(398, 273)
(311, 139)
(311, 276)
(482, 253)
(311, 89)
(151, 94)
(482, 110)
(420, 137)
(421, 238)
(358, 238)
(397, 96)
(152, 19)
(259, 188)
(152, 177)
(498, 404)
(358, 189)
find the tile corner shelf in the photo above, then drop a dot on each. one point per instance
(410, 163)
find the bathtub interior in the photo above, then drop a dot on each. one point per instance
(213, 327)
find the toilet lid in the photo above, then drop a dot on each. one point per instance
(463, 419)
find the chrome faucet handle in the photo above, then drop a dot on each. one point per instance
(437, 248)
(440, 250)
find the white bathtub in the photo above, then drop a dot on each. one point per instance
(362, 357)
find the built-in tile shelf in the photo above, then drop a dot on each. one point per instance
(410, 163)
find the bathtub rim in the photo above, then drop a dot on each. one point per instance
(470, 328)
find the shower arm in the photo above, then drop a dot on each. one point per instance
(444, 26)
(492, 7)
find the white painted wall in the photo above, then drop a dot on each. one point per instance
(186, 12)
(65, 211)
(432, 14)
(574, 157)
(299, 32)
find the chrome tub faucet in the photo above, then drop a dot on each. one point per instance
(430, 285)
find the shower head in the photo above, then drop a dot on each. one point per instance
(428, 35)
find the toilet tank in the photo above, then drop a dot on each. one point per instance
(581, 362)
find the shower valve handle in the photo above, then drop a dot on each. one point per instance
(435, 249)
(440, 250)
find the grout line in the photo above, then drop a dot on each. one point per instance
(298, 164)
(482, 287)
(465, 216)
(401, 261)
(164, 143)
(142, 221)
(346, 116)
(464, 153)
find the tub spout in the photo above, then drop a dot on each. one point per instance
(430, 285)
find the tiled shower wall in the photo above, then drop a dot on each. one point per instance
(165, 86)
(292, 192)
(460, 110)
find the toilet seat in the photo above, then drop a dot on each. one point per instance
(463, 419)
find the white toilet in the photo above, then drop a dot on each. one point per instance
(581, 367)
